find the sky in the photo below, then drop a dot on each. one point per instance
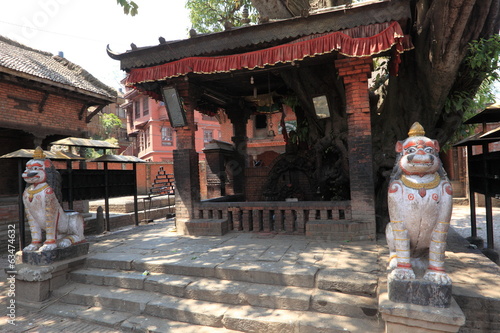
(82, 29)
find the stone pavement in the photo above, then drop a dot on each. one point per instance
(280, 252)
(461, 223)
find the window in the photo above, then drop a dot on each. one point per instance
(122, 113)
(137, 109)
(260, 121)
(321, 107)
(145, 106)
(148, 137)
(141, 141)
(208, 135)
(166, 136)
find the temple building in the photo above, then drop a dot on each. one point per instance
(261, 73)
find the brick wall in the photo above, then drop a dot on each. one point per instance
(255, 179)
(60, 114)
(24, 126)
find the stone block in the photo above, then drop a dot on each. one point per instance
(48, 257)
(35, 283)
(32, 291)
(203, 227)
(412, 318)
(167, 284)
(420, 292)
(347, 281)
(187, 310)
(268, 273)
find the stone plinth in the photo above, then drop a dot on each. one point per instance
(39, 258)
(419, 292)
(40, 273)
(412, 318)
(203, 227)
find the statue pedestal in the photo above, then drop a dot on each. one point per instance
(413, 318)
(39, 273)
(419, 292)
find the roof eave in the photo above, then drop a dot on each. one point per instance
(264, 33)
(30, 77)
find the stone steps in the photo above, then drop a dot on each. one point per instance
(263, 272)
(244, 318)
(234, 292)
(210, 291)
(126, 322)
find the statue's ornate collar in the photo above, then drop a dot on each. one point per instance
(417, 186)
(32, 192)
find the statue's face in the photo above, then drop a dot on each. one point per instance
(419, 155)
(35, 172)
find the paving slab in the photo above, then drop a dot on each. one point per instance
(187, 310)
(174, 285)
(113, 260)
(181, 264)
(347, 281)
(131, 301)
(288, 297)
(309, 322)
(148, 324)
(268, 273)
(96, 315)
(252, 319)
(344, 304)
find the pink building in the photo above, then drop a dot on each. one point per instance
(155, 140)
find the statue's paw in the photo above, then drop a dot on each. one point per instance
(403, 274)
(32, 247)
(65, 243)
(48, 247)
(393, 263)
(437, 277)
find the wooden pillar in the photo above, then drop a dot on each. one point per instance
(186, 168)
(355, 73)
(239, 118)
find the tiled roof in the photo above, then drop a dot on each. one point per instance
(21, 58)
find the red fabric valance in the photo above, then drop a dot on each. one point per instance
(356, 42)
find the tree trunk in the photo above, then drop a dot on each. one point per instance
(441, 32)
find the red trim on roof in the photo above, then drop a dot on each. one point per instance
(361, 41)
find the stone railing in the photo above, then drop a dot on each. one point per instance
(274, 216)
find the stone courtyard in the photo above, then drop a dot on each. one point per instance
(151, 279)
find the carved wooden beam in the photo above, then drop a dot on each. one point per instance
(42, 102)
(82, 110)
(93, 113)
(22, 103)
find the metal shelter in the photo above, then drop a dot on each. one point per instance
(83, 184)
(484, 168)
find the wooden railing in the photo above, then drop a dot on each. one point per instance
(274, 216)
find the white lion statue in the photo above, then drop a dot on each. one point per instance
(42, 201)
(420, 204)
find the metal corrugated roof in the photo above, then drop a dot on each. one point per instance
(81, 142)
(255, 37)
(480, 138)
(28, 153)
(489, 115)
(119, 159)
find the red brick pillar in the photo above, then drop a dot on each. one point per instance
(186, 168)
(355, 72)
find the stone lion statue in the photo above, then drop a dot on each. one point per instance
(42, 201)
(420, 204)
